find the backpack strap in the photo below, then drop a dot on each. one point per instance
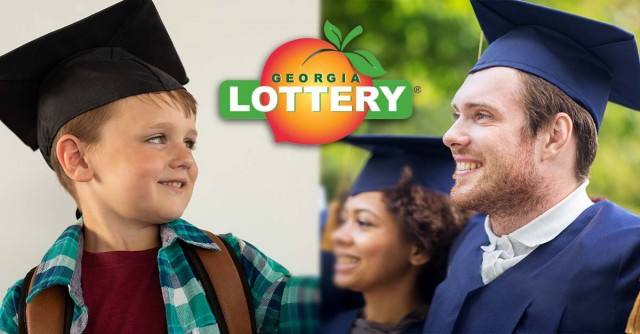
(246, 299)
(225, 285)
(22, 304)
(51, 311)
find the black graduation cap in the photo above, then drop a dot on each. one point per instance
(430, 160)
(589, 60)
(121, 51)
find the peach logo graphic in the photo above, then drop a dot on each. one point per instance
(315, 92)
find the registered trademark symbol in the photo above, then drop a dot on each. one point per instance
(417, 89)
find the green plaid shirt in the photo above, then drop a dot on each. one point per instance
(282, 303)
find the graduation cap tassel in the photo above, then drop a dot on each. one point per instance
(333, 210)
(480, 44)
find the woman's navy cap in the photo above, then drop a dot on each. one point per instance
(429, 159)
(591, 61)
(118, 52)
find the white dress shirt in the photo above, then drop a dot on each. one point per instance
(506, 251)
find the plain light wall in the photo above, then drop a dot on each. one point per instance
(263, 192)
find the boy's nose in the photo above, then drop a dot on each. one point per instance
(183, 158)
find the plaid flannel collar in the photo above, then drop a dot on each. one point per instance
(59, 264)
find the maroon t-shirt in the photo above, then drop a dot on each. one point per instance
(122, 292)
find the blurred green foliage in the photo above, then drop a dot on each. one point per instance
(433, 44)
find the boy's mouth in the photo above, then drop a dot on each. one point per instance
(175, 184)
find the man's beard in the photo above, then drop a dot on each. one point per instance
(511, 188)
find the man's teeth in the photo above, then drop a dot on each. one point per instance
(462, 166)
(346, 260)
(174, 184)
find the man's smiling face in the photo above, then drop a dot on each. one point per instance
(496, 166)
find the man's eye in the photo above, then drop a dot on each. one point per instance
(455, 116)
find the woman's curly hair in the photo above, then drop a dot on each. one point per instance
(429, 220)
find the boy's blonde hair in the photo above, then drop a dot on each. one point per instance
(87, 126)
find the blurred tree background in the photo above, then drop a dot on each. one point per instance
(433, 44)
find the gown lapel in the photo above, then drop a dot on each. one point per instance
(500, 306)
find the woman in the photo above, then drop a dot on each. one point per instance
(397, 225)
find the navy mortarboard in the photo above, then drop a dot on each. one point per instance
(429, 159)
(121, 51)
(591, 61)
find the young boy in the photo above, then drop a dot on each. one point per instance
(107, 110)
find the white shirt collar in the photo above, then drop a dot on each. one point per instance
(549, 224)
(508, 250)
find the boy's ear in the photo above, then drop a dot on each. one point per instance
(70, 151)
(418, 256)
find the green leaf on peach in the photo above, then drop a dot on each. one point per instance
(366, 63)
(333, 34)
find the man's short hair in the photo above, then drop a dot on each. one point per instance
(87, 126)
(541, 101)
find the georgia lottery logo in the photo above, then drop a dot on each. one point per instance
(315, 92)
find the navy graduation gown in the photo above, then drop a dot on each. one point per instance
(343, 322)
(584, 280)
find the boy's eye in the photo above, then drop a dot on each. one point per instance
(156, 140)
(190, 144)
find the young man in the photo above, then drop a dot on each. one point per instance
(546, 259)
(103, 101)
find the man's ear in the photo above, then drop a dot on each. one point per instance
(418, 256)
(70, 151)
(557, 135)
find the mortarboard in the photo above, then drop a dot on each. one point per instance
(428, 157)
(121, 51)
(591, 61)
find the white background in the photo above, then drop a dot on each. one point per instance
(263, 192)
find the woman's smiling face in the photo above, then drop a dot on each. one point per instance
(369, 247)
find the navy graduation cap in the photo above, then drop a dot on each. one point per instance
(429, 159)
(591, 61)
(121, 51)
